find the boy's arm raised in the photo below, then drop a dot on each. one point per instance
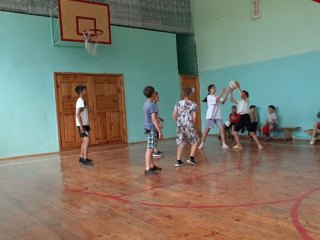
(231, 97)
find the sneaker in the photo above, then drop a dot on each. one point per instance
(85, 162)
(225, 146)
(179, 163)
(156, 168)
(191, 161)
(157, 154)
(150, 172)
(201, 146)
(237, 147)
(82, 159)
(312, 141)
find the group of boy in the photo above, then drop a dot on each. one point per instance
(184, 114)
(269, 125)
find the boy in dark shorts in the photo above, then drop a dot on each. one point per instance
(152, 129)
(243, 110)
(82, 123)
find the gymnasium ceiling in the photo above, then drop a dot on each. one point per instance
(160, 15)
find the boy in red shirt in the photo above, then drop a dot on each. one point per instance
(234, 118)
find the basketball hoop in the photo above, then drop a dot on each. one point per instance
(91, 40)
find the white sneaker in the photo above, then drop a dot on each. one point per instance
(312, 141)
(201, 146)
(225, 146)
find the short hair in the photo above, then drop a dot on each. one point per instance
(246, 93)
(148, 91)
(234, 106)
(186, 91)
(271, 106)
(252, 106)
(79, 89)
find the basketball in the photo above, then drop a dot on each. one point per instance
(234, 84)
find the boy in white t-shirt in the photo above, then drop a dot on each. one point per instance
(271, 122)
(82, 123)
(213, 116)
(243, 110)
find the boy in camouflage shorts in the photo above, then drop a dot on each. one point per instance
(184, 114)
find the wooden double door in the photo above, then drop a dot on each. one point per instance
(106, 105)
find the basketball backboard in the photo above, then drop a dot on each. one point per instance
(75, 16)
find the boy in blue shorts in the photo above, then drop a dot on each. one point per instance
(152, 129)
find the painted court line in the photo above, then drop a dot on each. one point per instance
(58, 158)
(295, 214)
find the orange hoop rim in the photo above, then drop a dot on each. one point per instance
(93, 32)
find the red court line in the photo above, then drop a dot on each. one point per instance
(295, 216)
(179, 182)
(121, 200)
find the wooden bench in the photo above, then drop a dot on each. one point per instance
(287, 132)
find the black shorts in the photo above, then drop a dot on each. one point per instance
(254, 126)
(244, 122)
(86, 131)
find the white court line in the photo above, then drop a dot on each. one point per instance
(56, 158)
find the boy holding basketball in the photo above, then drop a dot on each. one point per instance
(243, 110)
(82, 123)
(184, 114)
(152, 129)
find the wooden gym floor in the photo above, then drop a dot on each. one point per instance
(231, 194)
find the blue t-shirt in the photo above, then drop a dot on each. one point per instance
(149, 107)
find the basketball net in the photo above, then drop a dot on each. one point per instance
(91, 40)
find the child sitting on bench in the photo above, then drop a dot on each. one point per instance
(271, 122)
(316, 128)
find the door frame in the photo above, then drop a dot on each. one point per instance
(198, 91)
(123, 105)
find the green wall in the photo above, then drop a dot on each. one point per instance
(276, 58)
(226, 36)
(28, 62)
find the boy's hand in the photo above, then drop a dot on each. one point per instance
(81, 129)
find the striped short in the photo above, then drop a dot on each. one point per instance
(152, 140)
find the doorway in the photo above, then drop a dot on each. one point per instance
(106, 104)
(193, 83)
